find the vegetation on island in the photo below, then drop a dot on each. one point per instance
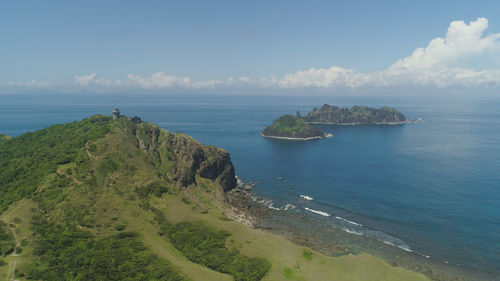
(104, 199)
(292, 127)
(4, 138)
(355, 115)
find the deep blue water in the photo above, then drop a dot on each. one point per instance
(433, 187)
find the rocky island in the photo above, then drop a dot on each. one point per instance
(356, 115)
(293, 128)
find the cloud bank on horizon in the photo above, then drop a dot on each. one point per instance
(441, 64)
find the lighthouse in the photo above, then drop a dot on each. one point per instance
(116, 113)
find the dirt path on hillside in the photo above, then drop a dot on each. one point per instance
(15, 255)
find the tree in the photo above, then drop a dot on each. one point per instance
(136, 120)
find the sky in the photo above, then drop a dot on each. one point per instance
(237, 46)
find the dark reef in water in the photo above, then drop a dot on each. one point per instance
(305, 230)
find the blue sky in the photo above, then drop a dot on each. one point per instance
(51, 43)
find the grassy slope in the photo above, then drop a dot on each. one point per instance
(283, 254)
(19, 214)
(114, 204)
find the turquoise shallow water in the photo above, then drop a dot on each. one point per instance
(432, 187)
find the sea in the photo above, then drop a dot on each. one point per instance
(431, 188)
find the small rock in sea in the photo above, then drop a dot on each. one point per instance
(248, 187)
(292, 184)
(280, 178)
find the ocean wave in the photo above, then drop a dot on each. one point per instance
(318, 212)
(346, 220)
(402, 247)
(282, 208)
(353, 231)
(307, 198)
(406, 248)
(273, 208)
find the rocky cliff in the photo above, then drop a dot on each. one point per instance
(181, 158)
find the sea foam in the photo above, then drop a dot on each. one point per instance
(346, 220)
(318, 212)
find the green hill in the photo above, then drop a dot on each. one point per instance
(288, 126)
(104, 199)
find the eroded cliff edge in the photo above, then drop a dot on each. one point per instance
(180, 157)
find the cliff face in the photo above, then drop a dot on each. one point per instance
(355, 115)
(181, 158)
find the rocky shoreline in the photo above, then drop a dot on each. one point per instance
(420, 120)
(362, 123)
(299, 139)
(304, 230)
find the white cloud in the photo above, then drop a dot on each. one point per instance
(158, 80)
(437, 65)
(85, 80)
(462, 41)
(442, 63)
(49, 83)
(93, 80)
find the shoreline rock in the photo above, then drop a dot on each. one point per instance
(298, 139)
(251, 211)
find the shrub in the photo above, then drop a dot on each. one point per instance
(307, 254)
(67, 253)
(7, 250)
(19, 250)
(205, 245)
(120, 227)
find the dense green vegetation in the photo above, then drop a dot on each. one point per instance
(205, 245)
(50, 166)
(29, 158)
(64, 169)
(156, 188)
(288, 124)
(4, 138)
(356, 114)
(67, 253)
(291, 126)
(6, 240)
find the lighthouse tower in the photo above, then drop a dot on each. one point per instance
(116, 113)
